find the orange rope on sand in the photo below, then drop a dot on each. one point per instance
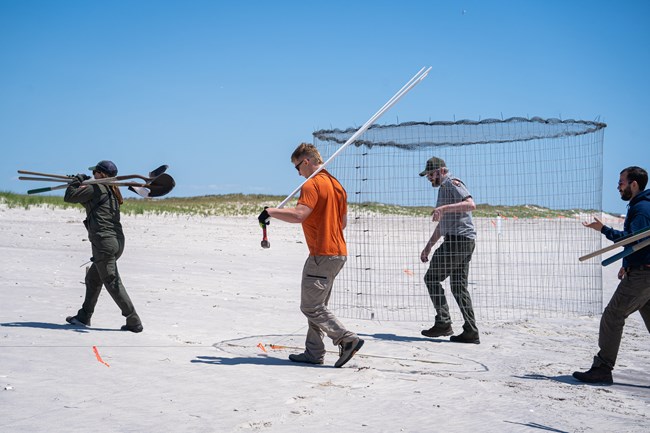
(99, 358)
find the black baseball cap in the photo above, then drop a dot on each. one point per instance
(106, 167)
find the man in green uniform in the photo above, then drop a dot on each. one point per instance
(102, 203)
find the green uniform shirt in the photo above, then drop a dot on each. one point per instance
(102, 210)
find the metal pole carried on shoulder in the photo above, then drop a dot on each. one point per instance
(417, 78)
(422, 73)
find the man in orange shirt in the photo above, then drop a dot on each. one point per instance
(322, 211)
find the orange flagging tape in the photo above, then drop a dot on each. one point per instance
(99, 358)
(278, 347)
(261, 346)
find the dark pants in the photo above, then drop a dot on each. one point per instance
(104, 271)
(451, 260)
(632, 294)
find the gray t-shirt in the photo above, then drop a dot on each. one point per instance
(453, 190)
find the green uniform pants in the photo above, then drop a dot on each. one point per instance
(104, 272)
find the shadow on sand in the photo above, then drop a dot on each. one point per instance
(572, 381)
(57, 326)
(404, 339)
(251, 360)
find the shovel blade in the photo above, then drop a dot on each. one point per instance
(161, 185)
(140, 190)
(157, 172)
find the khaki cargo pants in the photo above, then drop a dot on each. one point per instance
(318, 277)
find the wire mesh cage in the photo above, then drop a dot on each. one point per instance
(533, 180)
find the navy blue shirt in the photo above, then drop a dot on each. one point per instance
(637, 218)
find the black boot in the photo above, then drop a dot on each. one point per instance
(599, 374)
(78, 320)
(438, 330)
(464, 337)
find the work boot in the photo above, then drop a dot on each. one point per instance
(302, 357)
(347, 351)
(133, 328)
(438, 330)
(465, 337)
(75, 320)
(600, 374)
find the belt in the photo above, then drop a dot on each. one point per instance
(457, 237)
(638, 268)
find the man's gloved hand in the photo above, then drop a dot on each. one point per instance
(264, 217)
(78, 179)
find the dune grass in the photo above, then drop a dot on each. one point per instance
(224, 205)
(252, 204)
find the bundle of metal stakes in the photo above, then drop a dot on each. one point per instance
(156, 184)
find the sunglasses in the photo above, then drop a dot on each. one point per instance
(299, 164)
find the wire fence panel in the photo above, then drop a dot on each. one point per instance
(534, 181)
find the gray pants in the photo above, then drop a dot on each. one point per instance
(632, 294)
(451, 260)
(104, 271)
(318, 277)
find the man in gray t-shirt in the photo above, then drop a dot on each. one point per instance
(453, 213)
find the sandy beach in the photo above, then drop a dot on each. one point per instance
(220, 317)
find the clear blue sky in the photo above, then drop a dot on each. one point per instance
(224, 91)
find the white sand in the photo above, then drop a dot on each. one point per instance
(208, 295)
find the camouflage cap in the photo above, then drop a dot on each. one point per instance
(432, 165)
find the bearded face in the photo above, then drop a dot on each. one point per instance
(624, 188)
(626, 193)
(435, 177)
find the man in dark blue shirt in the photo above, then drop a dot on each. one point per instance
(633, 292)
